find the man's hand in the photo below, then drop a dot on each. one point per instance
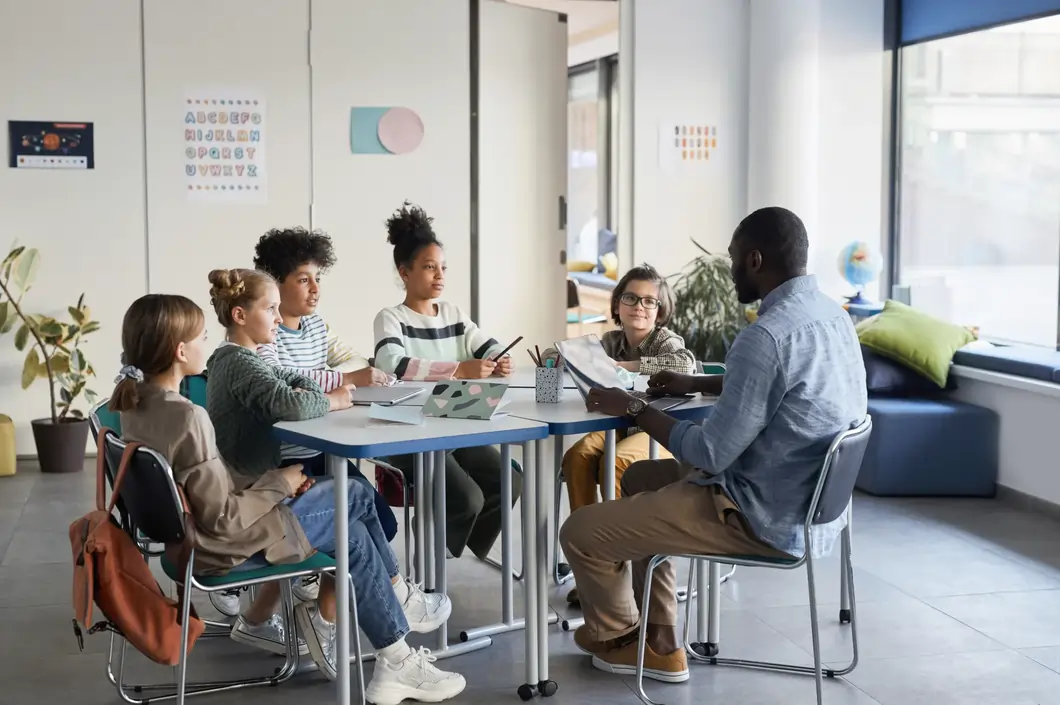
(368, 377)
(667, 383)
(613, 402)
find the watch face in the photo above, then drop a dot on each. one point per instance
(636, 407)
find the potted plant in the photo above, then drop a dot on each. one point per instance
(55, 355)
(707, 313)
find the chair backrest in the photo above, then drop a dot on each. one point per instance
(99, 418)
(102, 417)
(839, 473)
(150, 494)
(194, 389)
(712, 368)
(573, 300)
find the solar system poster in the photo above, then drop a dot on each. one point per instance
(50, 145)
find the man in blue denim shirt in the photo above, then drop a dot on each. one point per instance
(741, 480)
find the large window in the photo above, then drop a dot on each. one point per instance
(979, 198)
(590, 150)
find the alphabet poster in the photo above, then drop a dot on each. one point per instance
(224, 148)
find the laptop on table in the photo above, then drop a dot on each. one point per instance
(591, 368)
(384, 396)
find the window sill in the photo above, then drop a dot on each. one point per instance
(1024, 384)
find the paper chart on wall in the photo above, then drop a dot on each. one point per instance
(224, 147)
(686, 145)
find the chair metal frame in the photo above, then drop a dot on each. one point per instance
(181, 689)
(861, 434)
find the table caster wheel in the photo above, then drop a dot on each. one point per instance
(525, 691)
(563, 569)
(547, 688)
(844, 616)
(704, 649)
(565, 625)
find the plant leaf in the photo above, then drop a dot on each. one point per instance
(60, 363)
(25, 269)
(76, 314)
(77, 361)
(90, 327)
(91, 396)
(13, 255)
(21, 337)
(29, 368)
(77, 413)
(51, 328)
(65, 395)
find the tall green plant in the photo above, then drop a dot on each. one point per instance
(55, 353)
(707, 313)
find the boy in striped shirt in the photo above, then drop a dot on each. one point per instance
(297, 259)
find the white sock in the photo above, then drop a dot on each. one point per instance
(402, 590)
(396, 652)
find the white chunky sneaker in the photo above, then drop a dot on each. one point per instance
(424, 611)
(415, 678)
(320, 637)
(226, 601)
(307, 589)
(268, 636)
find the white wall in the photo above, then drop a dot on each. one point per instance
(1028, 444)
(690, 64)
(188, 56)
(88, 225)
(816, 114)
(389, 53)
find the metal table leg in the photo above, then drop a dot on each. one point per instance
(561, 572)
(545, 501)
(508, 621)
(418, 485)
(530, 549)
(337, 469)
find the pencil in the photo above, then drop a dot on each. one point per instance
(540, 362)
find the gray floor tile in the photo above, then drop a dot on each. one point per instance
(36, 585)
(1016, 619)
(32, 547)
(764, 587)
(943, 567)
(896, 628)
(988, 678)
(1048, 656)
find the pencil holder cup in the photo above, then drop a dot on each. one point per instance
(548, 385)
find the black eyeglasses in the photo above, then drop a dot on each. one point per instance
(631, 300)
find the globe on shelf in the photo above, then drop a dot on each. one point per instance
(859, 264)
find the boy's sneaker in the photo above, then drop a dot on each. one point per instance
(415, 678)
(319, 635)
(268, 636)
(226, 601)
(424, 611)
(306, 589)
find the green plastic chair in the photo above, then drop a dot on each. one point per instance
(712, 368)
(194, 389)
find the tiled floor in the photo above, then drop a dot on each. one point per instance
(959, 602)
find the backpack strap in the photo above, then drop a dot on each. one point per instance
(123, 466)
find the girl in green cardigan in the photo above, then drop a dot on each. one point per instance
(245, 397)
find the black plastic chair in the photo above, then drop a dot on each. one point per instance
(155, 513)
(829, 502)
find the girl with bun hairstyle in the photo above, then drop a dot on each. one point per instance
(424, 338)
(245, 397)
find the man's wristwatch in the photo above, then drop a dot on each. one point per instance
(636, 408)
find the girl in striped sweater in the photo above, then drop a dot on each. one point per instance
(427, 339)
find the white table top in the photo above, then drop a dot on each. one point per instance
(352, 434)
(569, 416)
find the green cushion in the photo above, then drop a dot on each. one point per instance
(317, 561)
(912, 338)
